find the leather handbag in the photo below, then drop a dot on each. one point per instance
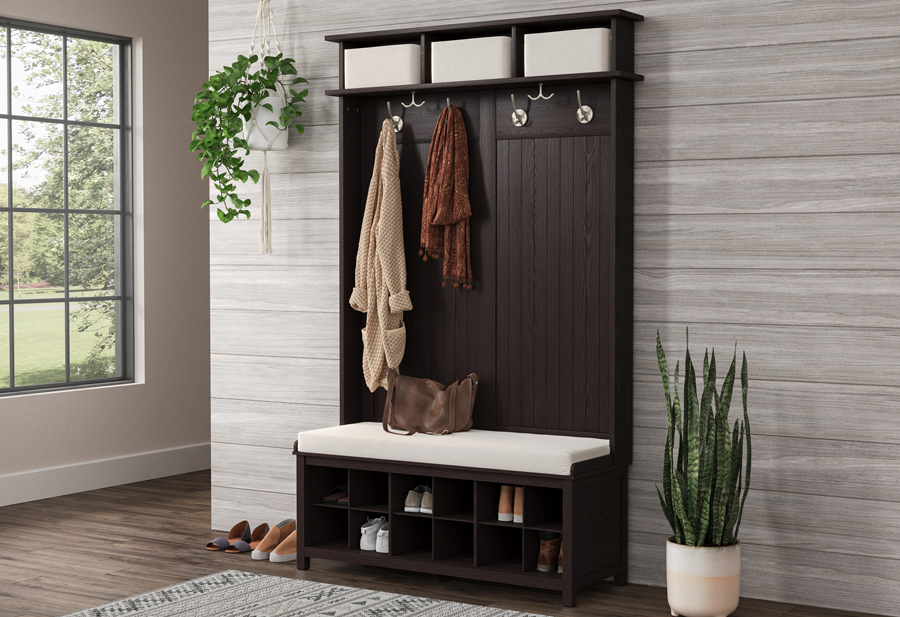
(425, 406)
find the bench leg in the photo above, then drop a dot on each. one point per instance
(621, 579)
(302, 562)
(568, 591)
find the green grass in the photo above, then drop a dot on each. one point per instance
(40, 349)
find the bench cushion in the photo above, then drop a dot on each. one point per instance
(495, 450)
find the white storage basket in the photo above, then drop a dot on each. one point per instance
(390, 65)
(567, 51)
(471, 59)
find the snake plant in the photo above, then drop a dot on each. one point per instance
(702, 493)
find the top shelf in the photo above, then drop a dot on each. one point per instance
(532, 24)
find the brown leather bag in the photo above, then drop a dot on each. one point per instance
(425, 406)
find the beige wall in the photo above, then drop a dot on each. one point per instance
(169, 406)
(767, 212)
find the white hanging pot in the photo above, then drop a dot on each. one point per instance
(259, 134)
(703, 581)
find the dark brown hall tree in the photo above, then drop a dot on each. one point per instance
(547, 328)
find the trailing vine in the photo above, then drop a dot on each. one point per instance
(220, 111)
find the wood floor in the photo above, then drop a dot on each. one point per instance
(73, 552)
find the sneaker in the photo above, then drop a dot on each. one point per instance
(427, 502)
(369, 531)
(381, 541)
(414, 499)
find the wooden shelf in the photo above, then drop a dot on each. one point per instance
(322, 504)
(380, 507)
(547, 526)
(416, 514)
(495, 523)
(489, 84)
(463, 517)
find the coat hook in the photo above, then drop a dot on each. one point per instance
(397, 120)
(448, 102)
(541, 94)
(519, 117)
(584, 114)
(413, 103)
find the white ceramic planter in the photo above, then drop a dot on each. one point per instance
(703, 581)
(471, 59)
(259, 138)
(390, 65)
(567, 51)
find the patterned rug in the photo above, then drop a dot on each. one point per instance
(244, 594)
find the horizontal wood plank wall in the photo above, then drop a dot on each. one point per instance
(768, 211)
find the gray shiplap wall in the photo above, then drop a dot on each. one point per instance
(767, 212)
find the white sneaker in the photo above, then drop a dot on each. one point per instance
(381, 541)
(369, 532)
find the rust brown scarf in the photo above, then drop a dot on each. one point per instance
(445, 206)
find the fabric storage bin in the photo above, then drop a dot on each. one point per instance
(390, 65)
(471, 59)
(567, 51)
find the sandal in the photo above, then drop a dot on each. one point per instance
(337, 494)
(240, 532)
(276, 536)
(242, 546)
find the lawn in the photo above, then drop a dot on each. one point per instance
(40, 346)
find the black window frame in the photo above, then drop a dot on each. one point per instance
(125, 252)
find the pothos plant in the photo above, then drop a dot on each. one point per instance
(220, 111)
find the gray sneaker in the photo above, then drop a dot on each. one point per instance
(427, 502)
(369, 533)
(414, 498)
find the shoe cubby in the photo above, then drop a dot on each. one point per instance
(411, 537)
(454, 499)
(542, 508)
(369, 490)
(401, 485)
(499, 547)
(327, 527)
(487, 497)
(323, 482)
(454, 541)
(531, 548)
(355, 520)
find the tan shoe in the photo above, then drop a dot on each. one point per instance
(427, 502)
(276, 536)
(505, 508)
(519, 505)
(286, 551)
(548, 558)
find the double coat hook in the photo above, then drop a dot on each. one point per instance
(413, 103)
(541, 93)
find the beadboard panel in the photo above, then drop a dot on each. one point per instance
(815, 522)
(791, 465)
(285, 380)
(751, 130)
(861, 356)
(788, 574)
(822, 184)
(300, 335)
(840, 298)
(254, 468)
(274, 288)
(266, 423)
(295, 242)
(791, 409)
(230, 505)
(861, 241)
(294, 196)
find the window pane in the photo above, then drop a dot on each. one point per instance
(4, 256)
(40, 343)
(4, 346)
(92, 254)
(37, 165)
(4, 160)
(37, 74)
(3, 79)
(92, 340)
(37, 266)
(92, 168)
(91, 74)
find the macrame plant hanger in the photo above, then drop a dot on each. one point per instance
(266, 35)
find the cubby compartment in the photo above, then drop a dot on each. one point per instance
(543, 508)
(454, 499)
(454, 542)
(531, 548)
(326, 528)
(410, 537)
(369, 490)
(401, 485)
(323, 481)
(499, 547)
(355, 520)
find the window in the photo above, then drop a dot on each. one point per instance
(65, 222)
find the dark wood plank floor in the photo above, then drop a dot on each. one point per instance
(73, 552)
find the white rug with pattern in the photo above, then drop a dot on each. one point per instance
(244, 594)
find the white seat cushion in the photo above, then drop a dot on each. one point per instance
(497, 450)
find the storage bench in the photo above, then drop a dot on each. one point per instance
(585, 500)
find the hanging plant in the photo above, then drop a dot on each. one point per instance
(230, 101)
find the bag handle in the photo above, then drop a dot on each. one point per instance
(389, 405)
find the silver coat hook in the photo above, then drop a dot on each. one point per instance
(397, 120)
(413, 103)
(541, 94)
(519, 117)
(584, 114)
(448, 103)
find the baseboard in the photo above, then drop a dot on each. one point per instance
(91, 475)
